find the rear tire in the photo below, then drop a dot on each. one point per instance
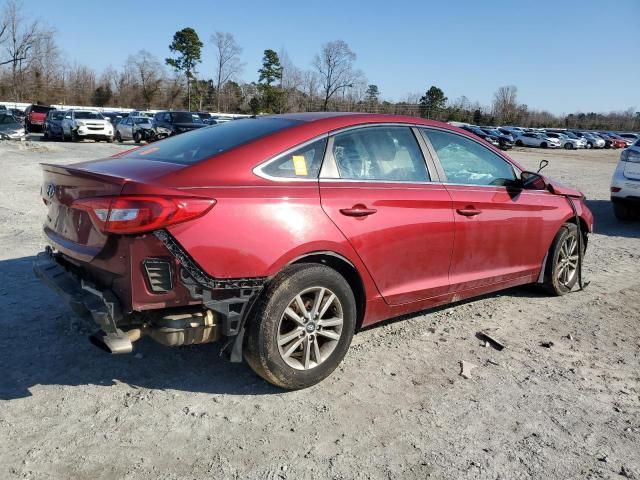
(298, 353)
(544, 145)
(137, 137)
(589, 145)
(625, 212)
(118, 137)
(561, 269)
(568, 146)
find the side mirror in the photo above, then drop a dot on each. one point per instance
(533, 181)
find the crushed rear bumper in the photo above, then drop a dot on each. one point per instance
(85, 300)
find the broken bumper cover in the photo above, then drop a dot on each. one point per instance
(85, 300)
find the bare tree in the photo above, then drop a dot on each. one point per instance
(21, 37)
(149, 75)
(505, 104)
(334, 65)
(228, 64)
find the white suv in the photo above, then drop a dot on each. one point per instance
(79, 124)
(625, 184)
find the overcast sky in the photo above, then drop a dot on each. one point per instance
(564, 56)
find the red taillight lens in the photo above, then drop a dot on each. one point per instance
(615, 189)
(137, 214)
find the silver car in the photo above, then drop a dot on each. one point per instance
(625, 184)
(133, 128)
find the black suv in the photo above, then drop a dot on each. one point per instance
(174, 123)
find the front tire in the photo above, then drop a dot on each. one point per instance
(589, 145)
(74, 136)
(302, 326)
(544, 145)
(568, 146)
(561, 269)
(519, 143)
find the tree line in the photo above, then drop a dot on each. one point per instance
(33, 69)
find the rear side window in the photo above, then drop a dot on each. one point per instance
(197, 145)
(305, 162)
(467, 162)
(379, 154)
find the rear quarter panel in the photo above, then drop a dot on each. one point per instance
(257, 231)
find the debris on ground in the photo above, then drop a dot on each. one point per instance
(490, 340)
(465, 369)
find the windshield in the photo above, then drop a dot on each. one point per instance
(197, 145)
(139, 120)
(7, 119)
(185, 117)
(56, 115)
(88, 116)
(571, 135)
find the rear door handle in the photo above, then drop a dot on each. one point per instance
(469, 211)
(358, 211)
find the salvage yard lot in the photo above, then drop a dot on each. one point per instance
(396, 408)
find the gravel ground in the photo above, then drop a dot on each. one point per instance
(396, 408)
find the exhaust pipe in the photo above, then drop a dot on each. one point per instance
(121, 342)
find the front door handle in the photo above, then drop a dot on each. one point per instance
(469, 211)
(358, 211)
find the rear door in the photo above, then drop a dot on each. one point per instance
(502, 233)
(377, 188)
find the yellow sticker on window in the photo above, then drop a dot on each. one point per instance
(299, 165)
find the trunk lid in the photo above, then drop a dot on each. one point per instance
(71, 230)
(632, 170)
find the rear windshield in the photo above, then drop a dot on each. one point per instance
(40, 108)
(197, 145)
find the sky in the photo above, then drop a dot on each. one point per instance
(563, 56)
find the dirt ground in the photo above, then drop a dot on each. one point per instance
(396, 408)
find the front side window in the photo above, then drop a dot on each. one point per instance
(304, 162)
(381, 154)
(467, 162)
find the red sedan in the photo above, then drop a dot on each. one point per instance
(283, 235)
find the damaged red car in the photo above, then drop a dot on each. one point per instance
(281, 236)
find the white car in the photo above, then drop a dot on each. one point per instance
(80, 124)
(625, 184)
(568, 140)
(534, 139)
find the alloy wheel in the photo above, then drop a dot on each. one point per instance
(310, 328)
(567, 265)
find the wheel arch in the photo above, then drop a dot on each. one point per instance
(345, 268)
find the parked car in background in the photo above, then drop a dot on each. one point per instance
(625, 184)
(80, 124)
(567, 140)
(19, 114)
(630, 136)
(592, 140)
(113, 117)
(531, 139)
(627, 141)
(478, 132)
(10, 127)
(513, 131)
(610, 141)
(3, 108)
(134, 128)
(173, 123)
(207, 118)
(505, 141)
(283, 235)
(34, 117)
(53, 125)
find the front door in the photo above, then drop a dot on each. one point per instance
(502, 232)
(376, 187)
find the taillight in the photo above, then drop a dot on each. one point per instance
(137, 214)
